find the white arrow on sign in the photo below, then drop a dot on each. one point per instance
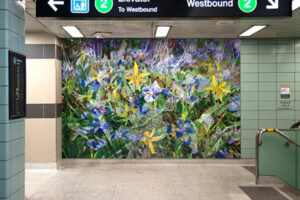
(53, 3)
(274, 4)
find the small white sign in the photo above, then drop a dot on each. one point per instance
(285, 91)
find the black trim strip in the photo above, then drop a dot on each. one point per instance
(48, 111)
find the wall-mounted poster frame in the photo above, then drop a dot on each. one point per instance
(17, 85)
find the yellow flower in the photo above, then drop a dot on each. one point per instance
(128, 112)
(98, 76)
(148, 139)
(137, 78)
(217, 88)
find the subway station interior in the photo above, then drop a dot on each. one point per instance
(149, 99)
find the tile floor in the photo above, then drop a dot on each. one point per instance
(140, 182)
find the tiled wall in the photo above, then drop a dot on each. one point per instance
(43, 120)
(266, 64)
(12, 141)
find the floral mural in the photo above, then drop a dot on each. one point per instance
(148, 98)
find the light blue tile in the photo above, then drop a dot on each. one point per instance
(3, 76)
(267, 77)
(4, 113)
(267, 96)
(249, 96)
(249, 59)
(4, 169)
(16, 8)
(14, 184)
(267, 67)
(5, 150)
(284, 124)
(286, 67)
(248, 134)
(297, 96)
(3, 39)
(297, 58)
(4, 132)
(270, 49)
(286, 115)
(249, 77)
(17, 130)
(247, 153)
(267, 115)
(249, 49)
(267, 86)
(297, 67)
(267, 41)
(250, 105)
(249, 87)
(250, 68)
(4, 187)
(267, 58)
(249, 41)
(248, 143)
(267, 123)
(286, 49)
(4, 19)
(297, 77)
(289, 41)
(249, 124)
(267, 105)
(297, 115)
(297, 105)
(4, 95)
(249, 115)
(3, 57)
(285, 58)
(287, 77)
(17, 147)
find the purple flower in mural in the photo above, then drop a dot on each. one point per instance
(235, 104)
(95, 145)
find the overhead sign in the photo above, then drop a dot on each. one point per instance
(163, 8)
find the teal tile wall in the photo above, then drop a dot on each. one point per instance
(266, 64)
(12, 132)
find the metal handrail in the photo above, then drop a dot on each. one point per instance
(259, 142)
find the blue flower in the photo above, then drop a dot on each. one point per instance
(183, 131)
(96, 145)
(235, 104)
(95, 85)
(223, 153)
(151, 93)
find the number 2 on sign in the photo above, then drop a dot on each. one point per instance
(103, 3)
(248, 2)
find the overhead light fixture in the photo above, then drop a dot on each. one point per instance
(73, 31)
(101, 34)
(162, 31)
(295, 5)
(21, 2)
(252, 30)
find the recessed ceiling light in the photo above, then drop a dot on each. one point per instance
(73, 31)
(101, 34)
(162, 31)
(295, 5)
(252, 30)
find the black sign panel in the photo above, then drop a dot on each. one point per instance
(80, 9)
(17, 86)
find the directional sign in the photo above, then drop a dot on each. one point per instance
(274, 4)
(162, 9)
(53, 3)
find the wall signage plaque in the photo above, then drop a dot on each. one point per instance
(81, 9)
(17, 86)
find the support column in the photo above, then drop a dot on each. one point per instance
(43, 121)
(12, 132)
